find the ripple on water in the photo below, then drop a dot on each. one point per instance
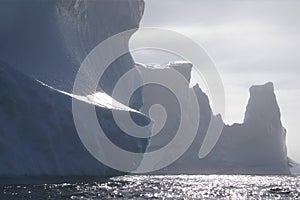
(165, 187)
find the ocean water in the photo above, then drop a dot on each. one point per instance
(164, 187)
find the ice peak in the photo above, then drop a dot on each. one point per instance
(183, 67)
(267, 87)
(262, 104)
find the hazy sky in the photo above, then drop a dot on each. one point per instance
(251, 42)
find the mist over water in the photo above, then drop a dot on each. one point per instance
(164, 187)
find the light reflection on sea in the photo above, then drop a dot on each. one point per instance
(164, 187)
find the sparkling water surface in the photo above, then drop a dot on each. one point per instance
(164, 187)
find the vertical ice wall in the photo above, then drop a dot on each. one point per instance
(48, 40)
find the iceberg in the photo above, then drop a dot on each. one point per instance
(256, 146)
(40, 59)
(47, 41)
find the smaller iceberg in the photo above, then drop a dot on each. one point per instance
(257, 146)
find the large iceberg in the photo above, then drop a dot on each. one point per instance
(47, 41)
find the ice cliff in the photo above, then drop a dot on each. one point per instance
(48, 40)
(255, 147)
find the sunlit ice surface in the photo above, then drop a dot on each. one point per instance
(164, 187)
(100, 99)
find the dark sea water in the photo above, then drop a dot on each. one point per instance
(164, 187)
